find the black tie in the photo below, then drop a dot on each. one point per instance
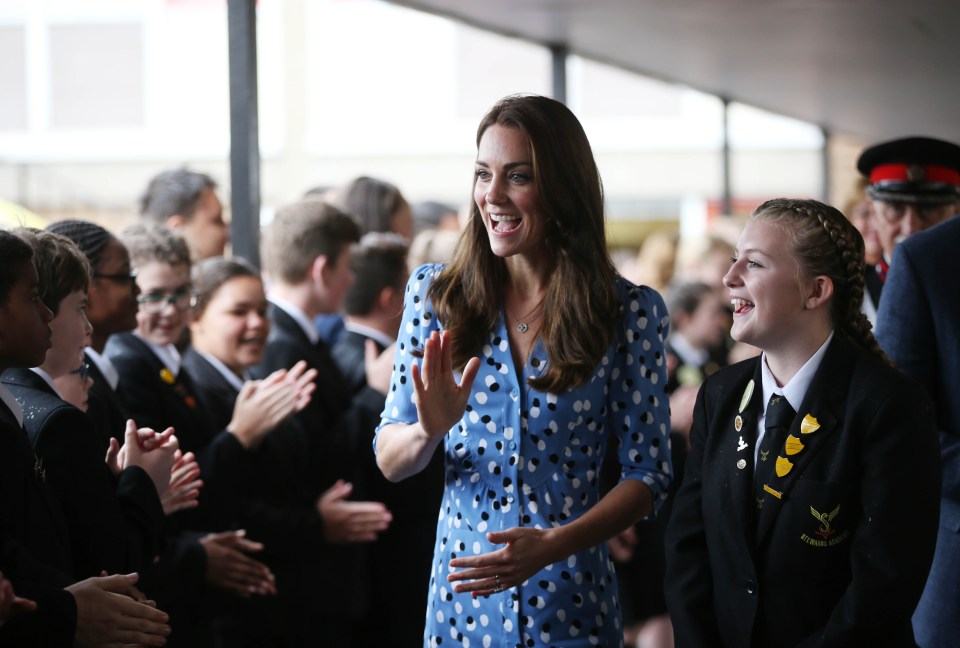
(778, 420)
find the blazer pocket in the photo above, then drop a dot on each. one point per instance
(822, 514)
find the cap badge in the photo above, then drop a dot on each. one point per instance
(916, 173)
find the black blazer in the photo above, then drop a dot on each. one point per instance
(153, 401)
(350, 355)
(323, 445)
(31, 516)
(114, 526)
(402, 556)
(841, 557)
(105, 407)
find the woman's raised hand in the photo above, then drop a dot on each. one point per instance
(440, 400)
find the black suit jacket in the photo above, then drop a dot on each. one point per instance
(270, 498)
(33, 539)
(114, 526)
(323, 444)
(841, 557)
(401, 557)
(105, 407)
(153, 401)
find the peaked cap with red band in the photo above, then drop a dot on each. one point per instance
(919, 170)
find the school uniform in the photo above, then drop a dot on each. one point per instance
(114, 526)
(104, 405)
(268, 498)
(839, 551)
(160, 395)
(338, 594)
(401, 557)
(34, 541)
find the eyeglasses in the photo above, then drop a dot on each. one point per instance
(130, 277)
(893, 212)
(83, 371)
(157, 302)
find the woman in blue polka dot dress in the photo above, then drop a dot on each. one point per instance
(529, 358)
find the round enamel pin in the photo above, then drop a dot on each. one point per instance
(738, 423)
(742, 464)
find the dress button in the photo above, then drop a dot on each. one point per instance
(514, 393)
(751, 587)
(513, 445)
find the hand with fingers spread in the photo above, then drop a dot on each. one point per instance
(229, 566)
(263, 404)
(527, 550)
(346, 521)
(440, 400)
(405, 449)
(185, 484)
(108, 616)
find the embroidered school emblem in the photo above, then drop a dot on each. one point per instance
(825, 530)
(828, 535)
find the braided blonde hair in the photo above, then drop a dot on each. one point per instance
(825, 243)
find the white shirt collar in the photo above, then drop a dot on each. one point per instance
(47, 379)
(224, 370)
(299, 317)
(106, 367)
(167, 353)
(11, 403)
(686, 351)
(379, 337)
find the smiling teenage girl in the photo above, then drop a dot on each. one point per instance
(815, 528)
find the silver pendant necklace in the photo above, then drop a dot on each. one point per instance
(531, 317)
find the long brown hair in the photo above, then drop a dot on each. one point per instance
(825, 243)
(580, 306)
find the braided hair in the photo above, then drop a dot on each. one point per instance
(89, 237)
(825, 243)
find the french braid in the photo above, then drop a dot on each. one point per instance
(825, 243)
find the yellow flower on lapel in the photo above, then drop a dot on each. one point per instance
(784, 466)
(809, 425)
(167, 376)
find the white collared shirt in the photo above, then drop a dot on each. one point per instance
(47, 379)
(11, 403)
(106, 367)
(793, 391)
(688, 353)
(379, 337)
(235, 381)
(167, 353)
(299, 317)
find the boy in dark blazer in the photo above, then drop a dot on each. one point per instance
(306, 255)
(34, 539)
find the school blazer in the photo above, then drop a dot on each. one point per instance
(841, 557)
(22, 498)
(113, 525)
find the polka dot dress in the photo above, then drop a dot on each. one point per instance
(520, 457)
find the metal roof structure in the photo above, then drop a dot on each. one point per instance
(868, 69)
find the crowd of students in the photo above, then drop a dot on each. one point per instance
(186, 445)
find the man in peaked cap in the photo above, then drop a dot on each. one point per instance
(914, 183)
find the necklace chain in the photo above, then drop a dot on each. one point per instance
(524, 326)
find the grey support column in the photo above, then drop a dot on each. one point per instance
(244, 130)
